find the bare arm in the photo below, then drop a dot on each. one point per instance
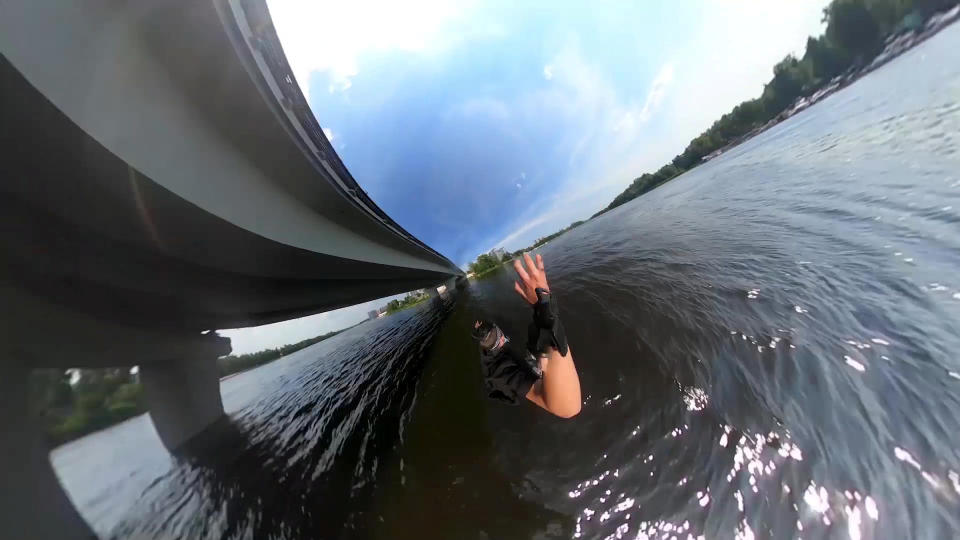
(559, 389)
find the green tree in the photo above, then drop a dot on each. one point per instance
(790, 79)
(103, 397)
(929, 7)
(484, 263)
(851, 25)
(234, 364)
(826, 60)
(50, 389)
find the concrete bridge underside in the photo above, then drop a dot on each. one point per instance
(162, 177)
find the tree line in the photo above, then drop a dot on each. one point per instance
(228, 365)
(71, 403)
(486, 262)
(97, 398)
(544, 239)
(855, 33)
(408, 301)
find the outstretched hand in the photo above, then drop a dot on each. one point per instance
(532, 277)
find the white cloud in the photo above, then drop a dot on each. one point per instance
(613, 141)
(482, 107)
(328, 133)
(612, 136)
(331, 36)
(631, 117)
(519, 232)
(602, 151)
(657, 92)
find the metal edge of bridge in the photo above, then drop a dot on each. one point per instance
(136, 76)
(89, 249)
(250, 27)
(300, 132)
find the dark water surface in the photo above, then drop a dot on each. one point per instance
(769, 347)
(298, 457)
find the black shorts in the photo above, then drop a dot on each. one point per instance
(507, 376)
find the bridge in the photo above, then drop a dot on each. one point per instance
(163, 177)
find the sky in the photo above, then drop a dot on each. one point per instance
(269, 336)
(477, 125)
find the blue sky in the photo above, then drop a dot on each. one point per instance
(480, 125)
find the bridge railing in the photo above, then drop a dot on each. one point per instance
(263, 40)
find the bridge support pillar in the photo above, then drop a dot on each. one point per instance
(181, 386)
(183, 394)
(32, 503)
(444, 289)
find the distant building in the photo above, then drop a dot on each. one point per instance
(498, 253)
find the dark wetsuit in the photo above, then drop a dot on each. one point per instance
(507, 375)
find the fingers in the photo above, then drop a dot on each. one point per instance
(543, 271)
(519, 289)
(529, 261)
(524, 276)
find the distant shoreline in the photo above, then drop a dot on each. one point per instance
(896, 45)
(858, 39)
(489, 270)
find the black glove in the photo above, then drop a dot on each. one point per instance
(546, 328)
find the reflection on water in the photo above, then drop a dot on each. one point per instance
(768, 347)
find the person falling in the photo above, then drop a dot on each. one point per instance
(545, 374)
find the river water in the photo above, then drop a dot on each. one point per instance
(769, 347)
